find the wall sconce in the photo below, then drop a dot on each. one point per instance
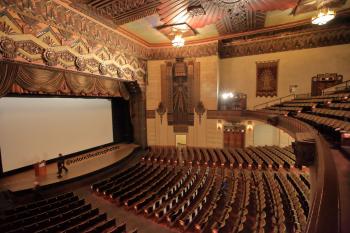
(250, 125)
(219, 125)
(161, 110)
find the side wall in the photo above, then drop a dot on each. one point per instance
(295, 68)
(239, 74)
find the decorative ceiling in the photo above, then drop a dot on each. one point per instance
(155, 22)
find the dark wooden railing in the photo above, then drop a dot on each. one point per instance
(324, 214)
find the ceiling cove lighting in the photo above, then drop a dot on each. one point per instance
(178, 41)
(324, 15)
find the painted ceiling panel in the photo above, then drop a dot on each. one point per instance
(152, 20)
(228, 15)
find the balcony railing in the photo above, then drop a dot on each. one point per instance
(275, 101)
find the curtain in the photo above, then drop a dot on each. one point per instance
(108, 86)
(8, 73)
(40, 80)
(21, 78)
(80, 84)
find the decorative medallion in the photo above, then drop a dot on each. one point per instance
(161, 110)
(200, 110)
(227, 3)
(8, 47)
(50, 57)
(102, 68)
(80, 63)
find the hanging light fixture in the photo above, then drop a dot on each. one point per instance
(178, 41)
(324, 15)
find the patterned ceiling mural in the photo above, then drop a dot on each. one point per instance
(227, 16)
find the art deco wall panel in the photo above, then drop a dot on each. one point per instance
(178, 92)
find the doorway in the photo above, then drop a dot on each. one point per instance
(180, 140)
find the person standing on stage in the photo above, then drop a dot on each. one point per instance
(60, 166)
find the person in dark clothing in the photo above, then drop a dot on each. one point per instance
(60, 166)
(224, 186)
(37, 191)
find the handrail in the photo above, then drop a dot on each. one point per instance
(339, 87)
(324, 213)
(279, 100)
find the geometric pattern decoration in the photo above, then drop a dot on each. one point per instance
(52, 33)
(228, 15)
(121, 11)
(207, 49)
(173, 12)
(266, 78)
(35, 16)
(45, 45)
(178, 92)
(299, 39)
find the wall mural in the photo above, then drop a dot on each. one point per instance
(266, 78)
(180, 92)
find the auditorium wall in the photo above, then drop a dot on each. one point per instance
(295, 68)
(239, 74)
(262, 134)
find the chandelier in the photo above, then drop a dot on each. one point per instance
(324, 16)
(178, 41)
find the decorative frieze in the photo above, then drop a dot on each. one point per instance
(305, 39)
(201, 50)
(66, 25)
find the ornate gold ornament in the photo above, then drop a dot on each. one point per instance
(50, 57)
(102, 68)
(80, 63)
(8, 47)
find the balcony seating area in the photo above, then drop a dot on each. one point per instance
(329, 114)
(214, 190)
(63, 213)
(262, 157)
(317, 104)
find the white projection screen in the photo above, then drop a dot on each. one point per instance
(35, 129)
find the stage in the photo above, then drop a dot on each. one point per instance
(78, 166)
